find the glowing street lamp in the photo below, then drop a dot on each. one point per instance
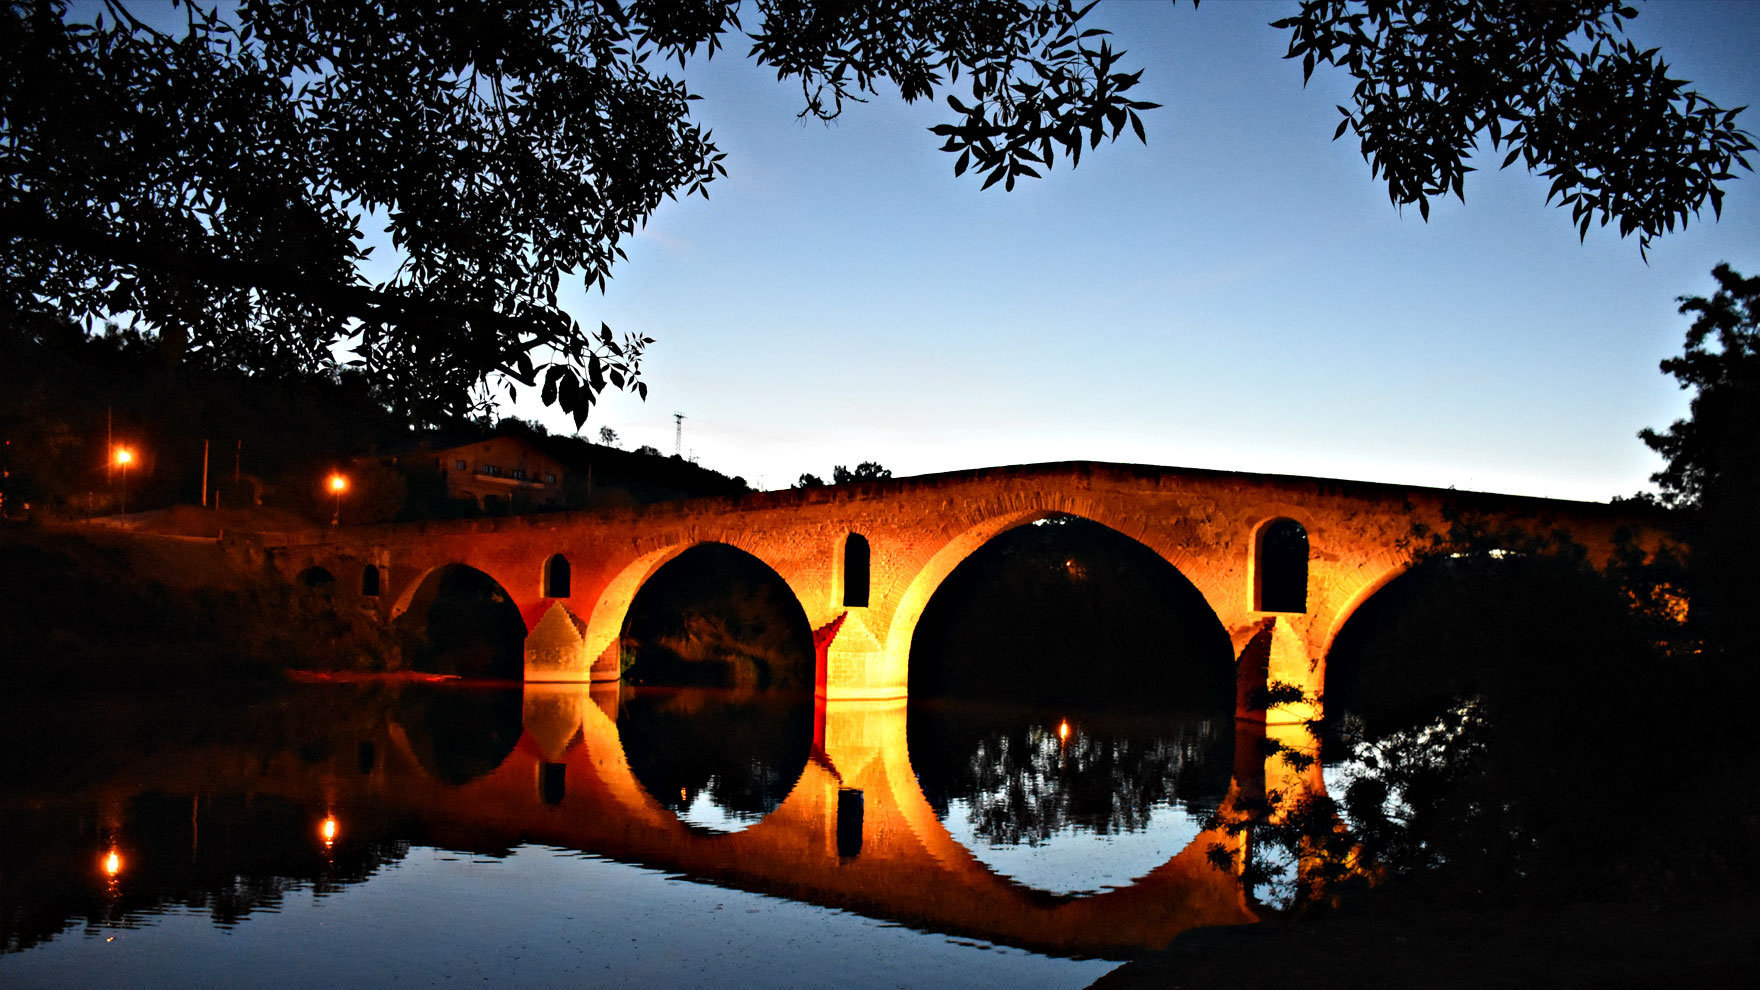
(124, 457)
(327, 831)
(338, 485)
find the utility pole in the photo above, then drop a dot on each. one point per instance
(677, 434)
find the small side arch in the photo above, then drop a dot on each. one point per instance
(370, 581)
(554, 582)
(1280, 566)
(855, 571)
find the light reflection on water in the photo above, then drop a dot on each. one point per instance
(538, 917)
(328, 835)
(1074, 860)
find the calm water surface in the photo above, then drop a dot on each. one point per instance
(337, 835)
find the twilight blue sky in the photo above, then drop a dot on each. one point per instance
(1239, 294)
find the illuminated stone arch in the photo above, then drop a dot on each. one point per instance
(604, 624)
(950, 555)
(415, 605)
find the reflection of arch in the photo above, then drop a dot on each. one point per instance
(855, 571)
(931, 576)
(370, 581)
(555, 580)
(1280, 566)
(909, 867)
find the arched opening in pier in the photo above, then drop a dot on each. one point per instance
(1280, 567)
(554, 583)
(462, 621)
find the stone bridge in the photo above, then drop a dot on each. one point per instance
(1283, 561)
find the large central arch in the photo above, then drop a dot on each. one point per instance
(929, 579)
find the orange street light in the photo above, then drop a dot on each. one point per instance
(338, 485)
(327, 831)
(124, 457)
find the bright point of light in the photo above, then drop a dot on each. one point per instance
(327, 829)
(338, 483)
(124, 455)
(112, 863)
(1063, 732)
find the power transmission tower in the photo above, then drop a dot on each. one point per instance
(677, 433)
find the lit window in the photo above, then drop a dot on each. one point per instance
(549, 479)
(460, 465)
(518, 474)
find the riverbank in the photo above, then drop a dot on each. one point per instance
(1704, 943)
(85, 605)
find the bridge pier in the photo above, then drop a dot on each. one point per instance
(1278, 653)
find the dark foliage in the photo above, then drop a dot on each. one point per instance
(1557, 84)
(1713, 472)
(214, 180)
(1514, 724)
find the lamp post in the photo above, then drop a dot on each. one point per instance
(124, 457)
(338, 485)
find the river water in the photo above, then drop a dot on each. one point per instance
(418, 834)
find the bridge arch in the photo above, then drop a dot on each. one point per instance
(934, 573)
(465, 621)
(610, 615)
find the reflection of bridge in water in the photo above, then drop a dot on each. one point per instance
(855, 833)
(484, 770)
